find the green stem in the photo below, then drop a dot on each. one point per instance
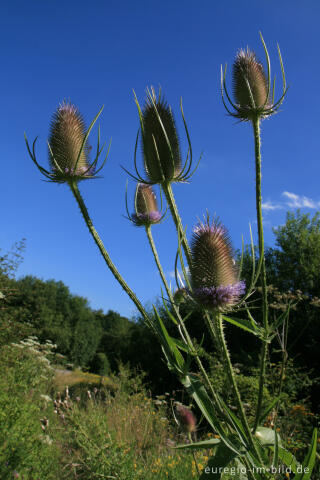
(177, 220)
(264, 348)
(103, 251)
(194, 455)
(283, 365)
(230, 373)
(213, 332)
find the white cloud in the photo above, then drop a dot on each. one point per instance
(299, 201)
(268, 206)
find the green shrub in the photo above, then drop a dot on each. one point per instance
(100, 364)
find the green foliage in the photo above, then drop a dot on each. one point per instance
(297, 257)
(25, 380)
(100, 364)
(56, 314)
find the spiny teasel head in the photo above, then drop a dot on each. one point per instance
(213, 272)
(67, 134)
(146, 206)
(250, 86)
(186, 418)
(253, 95)
(160, 141)
(69, 148)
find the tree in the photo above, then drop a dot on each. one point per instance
(297, 257)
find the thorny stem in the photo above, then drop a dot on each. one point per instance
(75, 190)
(283, 344)
(177, 220)
(264, 348)
(230, 373)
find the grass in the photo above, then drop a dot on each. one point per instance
(64, 378)
(74, 425)
(106, 427)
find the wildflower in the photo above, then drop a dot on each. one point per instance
(186, 418)
(160, 142)
(213, 272)
(46, 398)
(146, 207)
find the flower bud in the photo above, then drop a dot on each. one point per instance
(146, 208)
(66, 137)
(186, 418)
(248, 72)
(180, 296)
(160, 142)
(213, 271)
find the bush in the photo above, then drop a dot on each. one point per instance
(100, 364)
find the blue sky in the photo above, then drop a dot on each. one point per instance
(95, 53)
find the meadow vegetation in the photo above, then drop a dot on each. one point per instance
(67, 419)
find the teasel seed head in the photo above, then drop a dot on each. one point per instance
(186, 418)
(146, 207)
(160, 141)
(250, 86)
(67, 134)
(213, 272)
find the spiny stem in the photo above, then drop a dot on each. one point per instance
(213, 331)
(75, 190)
(230, 372)
(283, 364)
(264, 348)
(177, 220)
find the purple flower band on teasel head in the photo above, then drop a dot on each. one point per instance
(215, 228)
(145, 218)
(86, 171)
(67, 107)
(221, 296)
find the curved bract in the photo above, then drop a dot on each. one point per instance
(69, 148)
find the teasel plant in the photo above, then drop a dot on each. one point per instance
(207, 277)
(253, 102)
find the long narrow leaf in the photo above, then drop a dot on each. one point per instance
(199, 445)
(308, 463)
(244, 324)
